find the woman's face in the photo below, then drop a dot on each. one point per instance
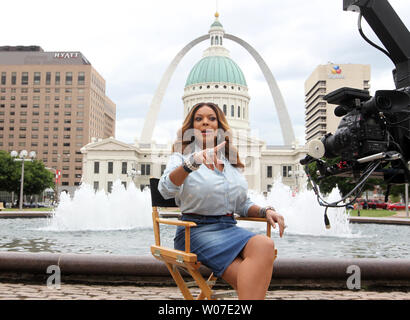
(206, 122)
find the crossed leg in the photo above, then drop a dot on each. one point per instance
(251, 272)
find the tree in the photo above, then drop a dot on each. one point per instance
(9, 173)
(36, 177)
(344, 184)
(397, 191)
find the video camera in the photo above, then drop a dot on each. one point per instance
(373, 136)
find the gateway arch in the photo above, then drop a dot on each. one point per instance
(284, 120)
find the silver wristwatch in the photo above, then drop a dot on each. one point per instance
(190, 164)
(262, 211)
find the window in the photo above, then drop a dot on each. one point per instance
(286, 170)
(225, 109)
(13, 78)
(145, 169)
(109, 186)
(57, 78)
(124, 168)
(24, 78)
(163, 167)
(81, 78)
(232, 111)
(68, 78)
(48, 78)
(269, 172)
(96, 185)
(3, 78)
(239, 111)
(37, 77)
(124, 183)
(110, 167)
(96, 167)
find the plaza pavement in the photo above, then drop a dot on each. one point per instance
(21, 291)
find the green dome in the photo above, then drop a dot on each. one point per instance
(216, 69)
(216, 24)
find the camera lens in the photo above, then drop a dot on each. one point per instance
(383, 102)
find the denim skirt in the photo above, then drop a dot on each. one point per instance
(216, 240)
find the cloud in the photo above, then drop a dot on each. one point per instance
(130, 129)
(131, 43)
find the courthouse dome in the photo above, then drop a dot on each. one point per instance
(216, 69)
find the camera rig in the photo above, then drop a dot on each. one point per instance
(373, 136)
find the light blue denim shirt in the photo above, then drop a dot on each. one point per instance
(206, 191)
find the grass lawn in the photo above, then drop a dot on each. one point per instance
(28, 209)
(373, 213)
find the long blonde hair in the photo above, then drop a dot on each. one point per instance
(187, 146)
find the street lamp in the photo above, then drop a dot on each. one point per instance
(133, 173)
(296, 174)
(22, 157)
(57, 177)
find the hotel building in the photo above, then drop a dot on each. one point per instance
(52, 103)
(319, 115)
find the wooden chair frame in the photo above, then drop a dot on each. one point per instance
(175, 259)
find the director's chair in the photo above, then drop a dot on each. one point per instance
(185, 260)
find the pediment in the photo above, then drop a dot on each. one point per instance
(109, 144)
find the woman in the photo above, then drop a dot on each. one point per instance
(204, 176)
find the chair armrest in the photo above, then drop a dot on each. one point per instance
(256, 219)
(186, 224)
(252, 219)
(177, 223)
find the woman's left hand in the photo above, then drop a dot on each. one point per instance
(273, 217)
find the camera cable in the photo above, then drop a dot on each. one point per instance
(357, 190)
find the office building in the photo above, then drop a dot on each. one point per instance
(52, 103)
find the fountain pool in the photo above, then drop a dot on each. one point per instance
(120, 223)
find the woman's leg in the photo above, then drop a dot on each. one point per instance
(251, 274)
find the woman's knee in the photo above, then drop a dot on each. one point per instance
(262, 246)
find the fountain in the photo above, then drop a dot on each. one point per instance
(120, 223)
(109, 235)
(122, 209)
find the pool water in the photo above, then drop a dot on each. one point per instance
(363, 241)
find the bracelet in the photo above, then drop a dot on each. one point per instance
(262, 211)
(190, 164)
(186, 168)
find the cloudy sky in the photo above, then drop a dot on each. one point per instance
(131, 43)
